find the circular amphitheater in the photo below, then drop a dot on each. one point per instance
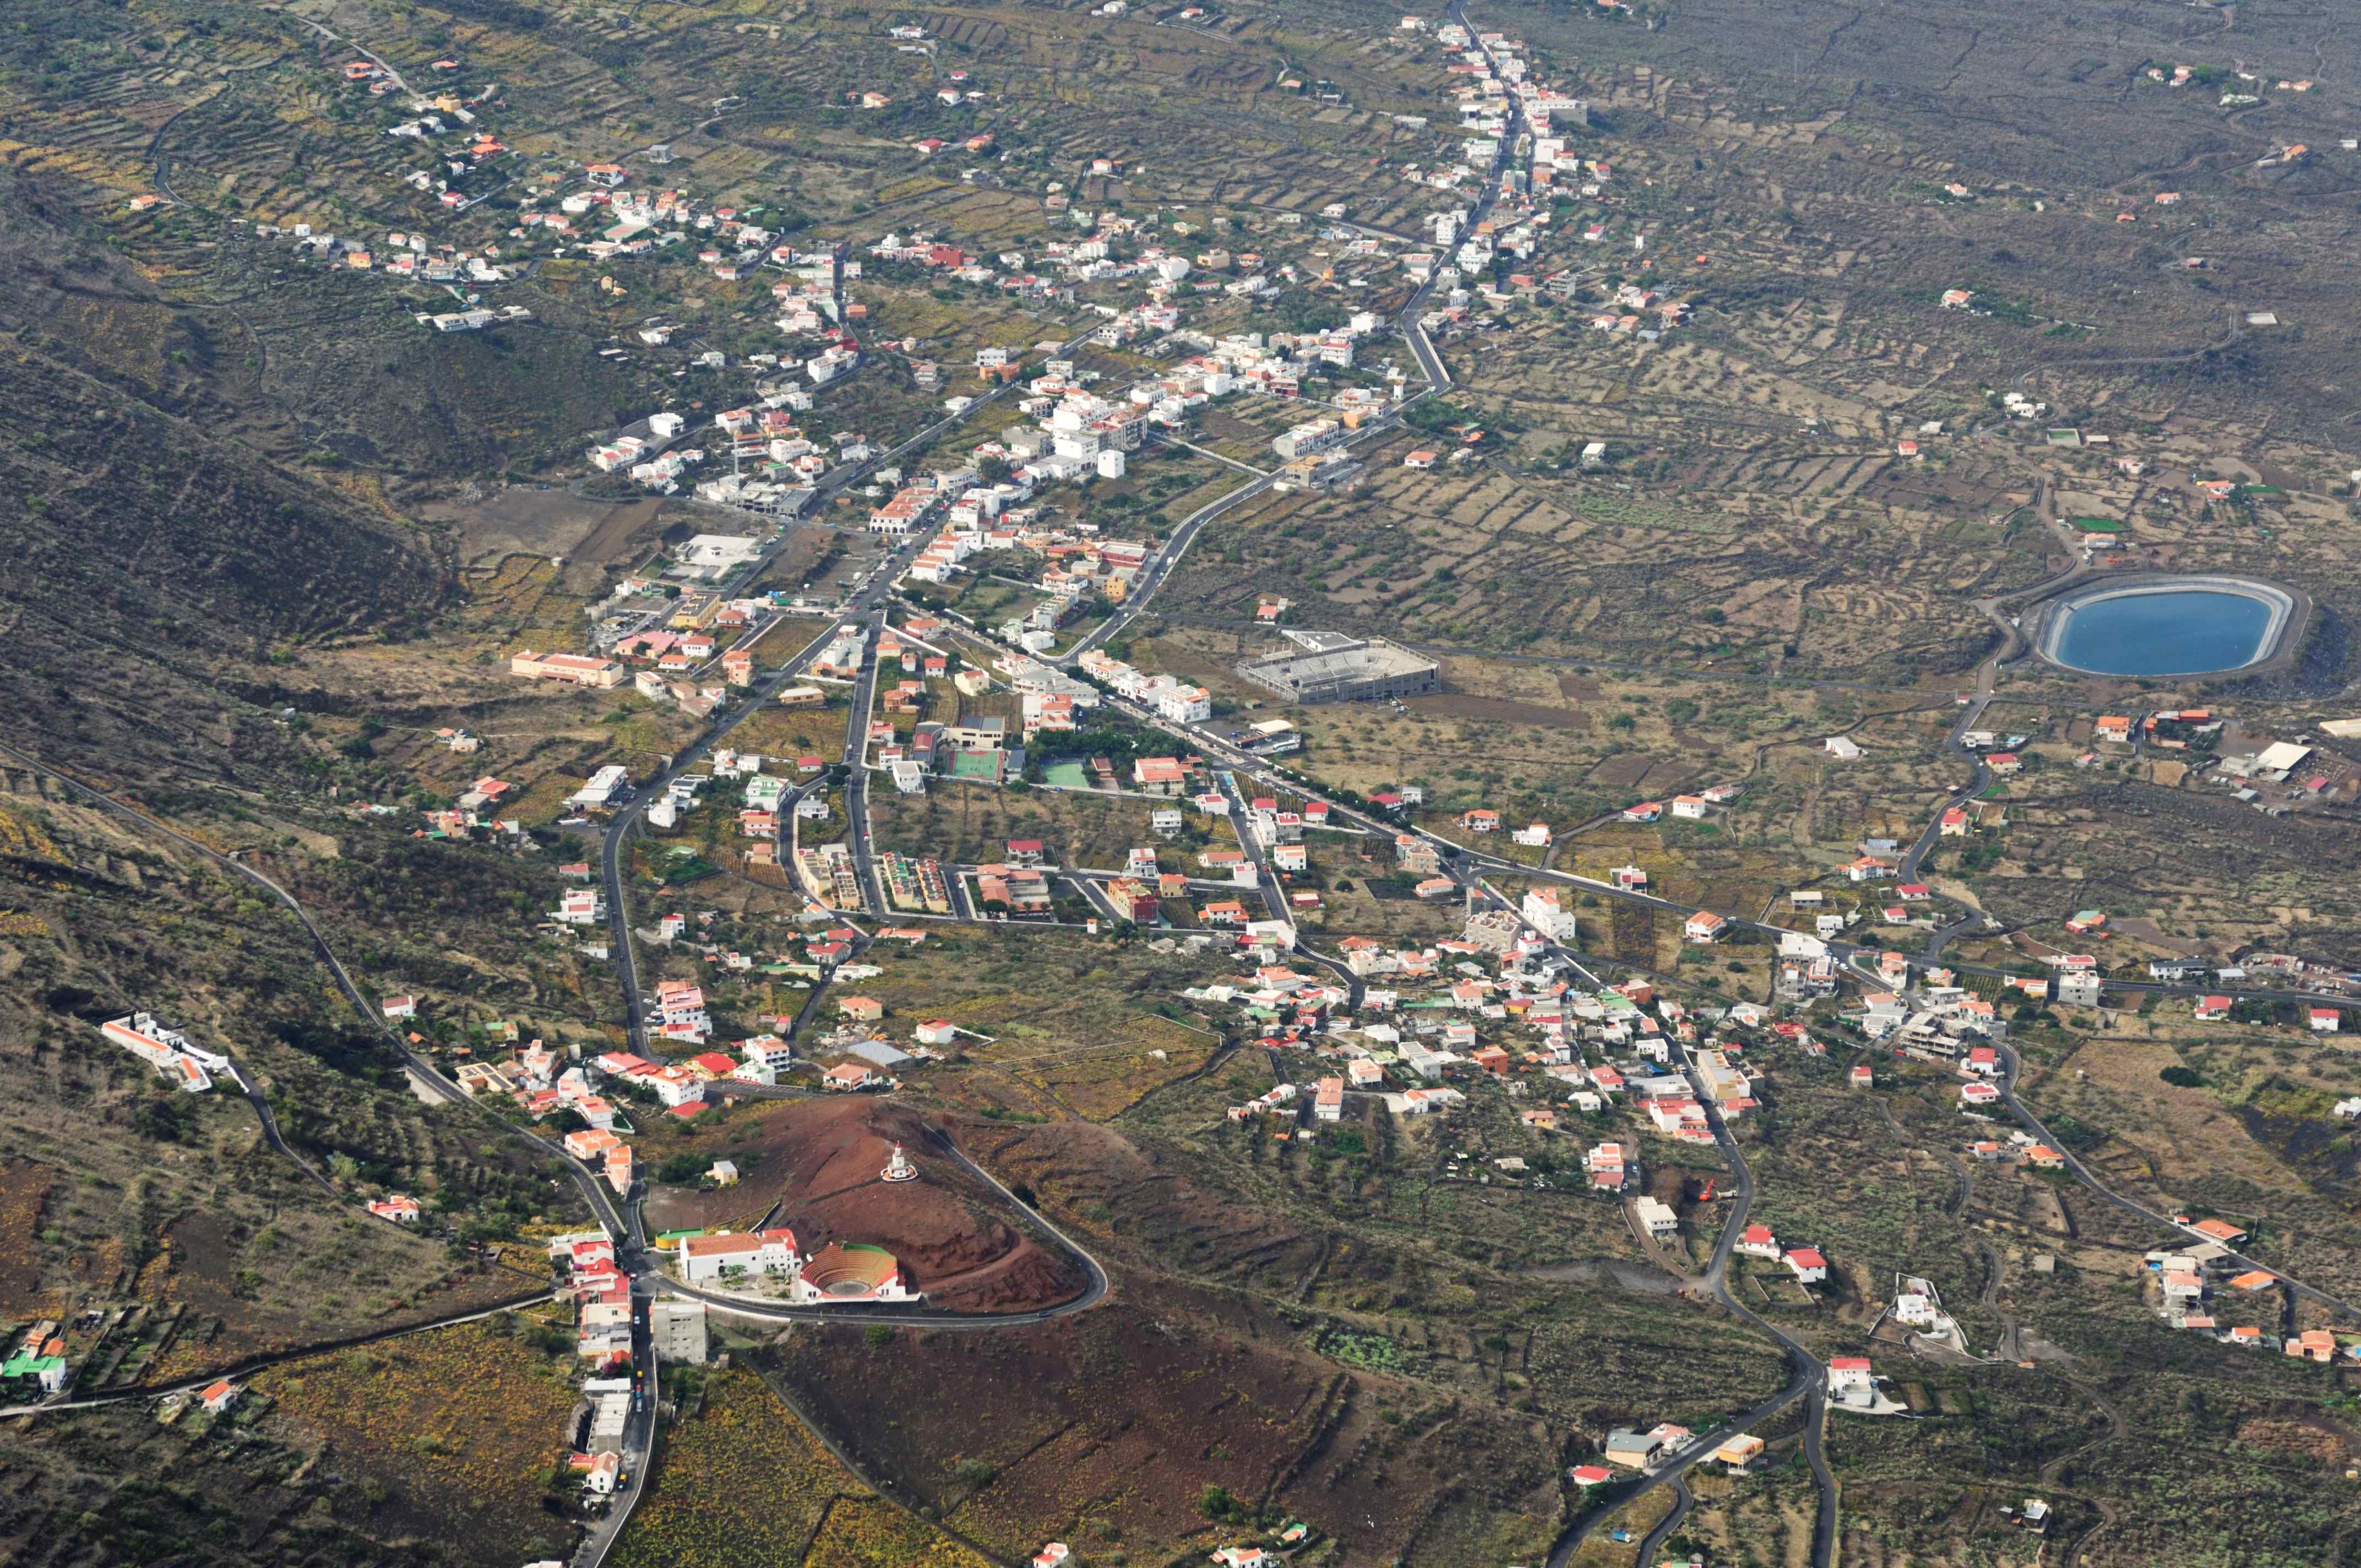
(852, 1271)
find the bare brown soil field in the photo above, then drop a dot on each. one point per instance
(972, 823)
(528, 521)
(2113, 1083)
(1499, 710)
(24, 1188)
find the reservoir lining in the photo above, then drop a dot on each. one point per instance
(2169, 626)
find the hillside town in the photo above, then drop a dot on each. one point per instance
(1409, 830)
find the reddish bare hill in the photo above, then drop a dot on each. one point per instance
(814, 1165)
(1124, 1414)
(1144, 1197)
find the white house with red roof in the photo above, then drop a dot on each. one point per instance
(1606, 1164)
(587, 1251)
(1758, 1241)
(675, 1085)
(1809, 1266)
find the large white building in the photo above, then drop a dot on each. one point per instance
(187, 1066)
(1546, 913)
(705, 1260)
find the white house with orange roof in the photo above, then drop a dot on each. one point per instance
(1704, 927)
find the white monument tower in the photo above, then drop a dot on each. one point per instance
(899, 1168)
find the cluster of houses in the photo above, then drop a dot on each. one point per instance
(774, 460)
(2197, 1284)
(2020, 1150)
(543, 1080)
(1109, 253)
(645, 458)
(1166, 695)
(608, 219)
(452, 124)
(1496, 89)
(1938, 1020)
(1077, 567)
(39, 1354)
(668, 651)
(1077, 432)
(1491, 1007)
(915, 883)
(474, 809)
(605, 1342)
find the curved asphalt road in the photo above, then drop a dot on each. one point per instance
(1682, 1498)
(1806, 1383)
(2010, 1065)
(279, 1359)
